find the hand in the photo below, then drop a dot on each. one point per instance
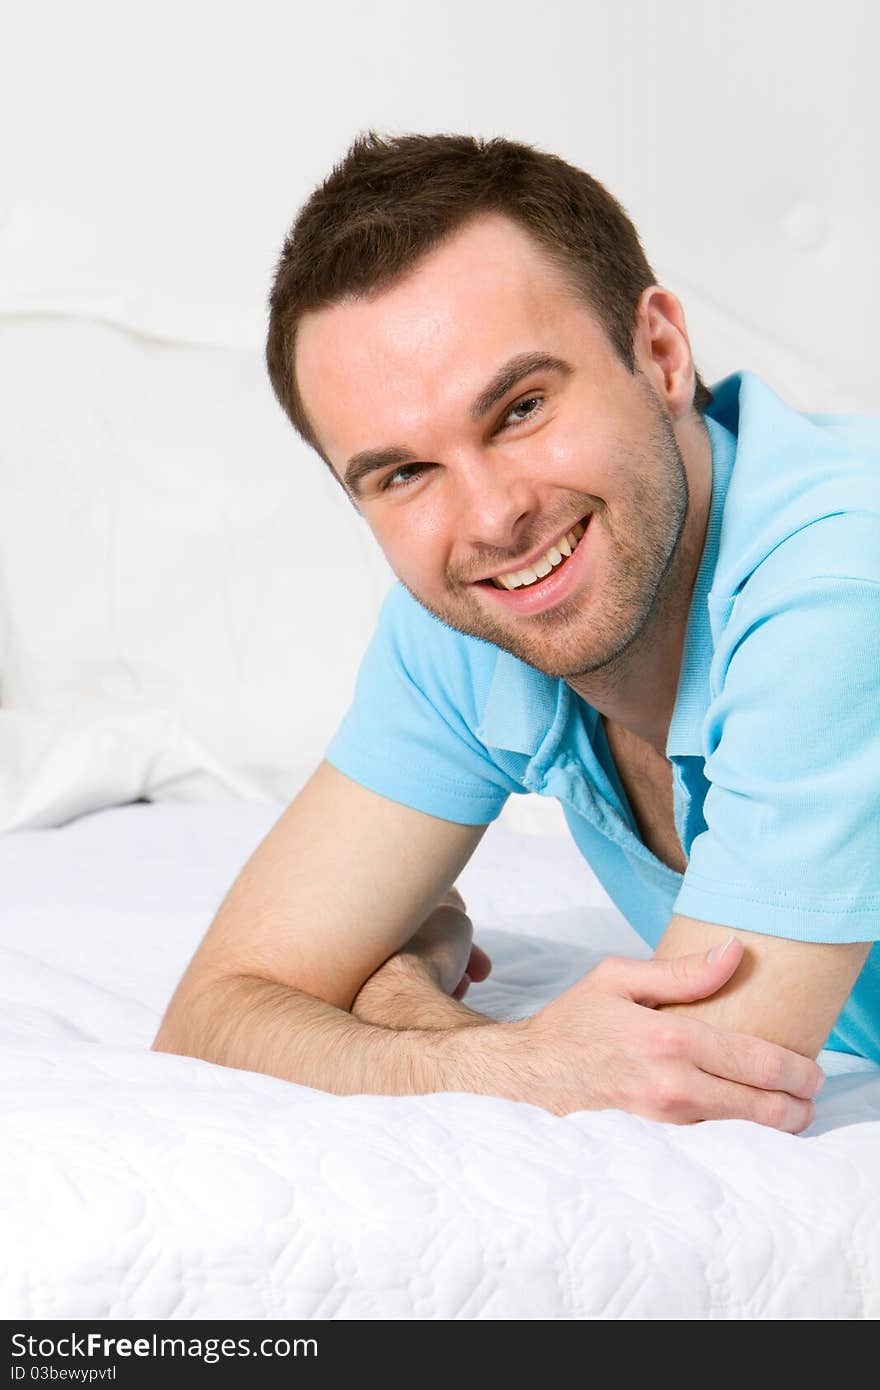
(601, 1045)
(443, 945)
(440, 955)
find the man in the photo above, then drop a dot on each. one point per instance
(660, 606)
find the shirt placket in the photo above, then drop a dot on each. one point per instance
(578, 779)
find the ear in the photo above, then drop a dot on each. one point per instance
(663, 350)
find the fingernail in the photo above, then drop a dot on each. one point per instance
(820, 1084)
(717, 953)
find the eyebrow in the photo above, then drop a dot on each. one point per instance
(368, 461)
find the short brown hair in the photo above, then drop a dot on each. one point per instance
(390, 201)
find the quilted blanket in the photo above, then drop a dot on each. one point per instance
(142, 1185)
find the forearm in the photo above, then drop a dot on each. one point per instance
(255, 1025)
(404, 995)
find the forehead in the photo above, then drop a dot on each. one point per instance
(373, 371)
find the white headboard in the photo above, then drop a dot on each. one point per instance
(161, 150)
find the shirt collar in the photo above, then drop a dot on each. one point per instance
(692, 695)
(524, 707)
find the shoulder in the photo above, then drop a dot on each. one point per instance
(803, 499)
(819, 585)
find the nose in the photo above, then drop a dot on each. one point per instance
(493, 499)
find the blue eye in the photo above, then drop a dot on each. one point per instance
(388, 484)
(527, 401)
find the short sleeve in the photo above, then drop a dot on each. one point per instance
(407, 734)
(792, 844)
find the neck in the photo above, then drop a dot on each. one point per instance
(637, 690)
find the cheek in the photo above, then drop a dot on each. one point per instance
(412, 544)
(576, 455)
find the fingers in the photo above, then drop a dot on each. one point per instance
(478, 968)
(452, 898)
(745, 1059)
(675, 981)
(479, 965)
(689, 1097)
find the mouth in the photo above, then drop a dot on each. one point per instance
(554, 559)
(541, 592)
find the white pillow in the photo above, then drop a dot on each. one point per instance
(168, 546)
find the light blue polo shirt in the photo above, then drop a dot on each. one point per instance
(775, 733)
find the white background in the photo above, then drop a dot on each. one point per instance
(159, 150)
(175, 565)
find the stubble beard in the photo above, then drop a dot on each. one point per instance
(594, 629)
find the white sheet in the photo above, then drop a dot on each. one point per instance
(141, 1185)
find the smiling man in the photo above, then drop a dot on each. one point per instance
(657, 603)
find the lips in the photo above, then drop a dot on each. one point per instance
(539, 556)
(553, 590)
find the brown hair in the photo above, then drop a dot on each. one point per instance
(390, 201)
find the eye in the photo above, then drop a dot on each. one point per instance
(389, 485)
(527, 400)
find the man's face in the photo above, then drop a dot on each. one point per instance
(486, 486)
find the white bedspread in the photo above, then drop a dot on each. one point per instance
(138, 1185)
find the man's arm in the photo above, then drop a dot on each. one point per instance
(789, 992)
(422, 985)
(791, 807)
(340, 884)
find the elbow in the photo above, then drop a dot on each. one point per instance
(165, 1041)
(170, 1038)
(184, 1026)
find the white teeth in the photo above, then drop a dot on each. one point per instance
(553, 557)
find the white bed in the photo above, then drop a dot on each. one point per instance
(141, 1185)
